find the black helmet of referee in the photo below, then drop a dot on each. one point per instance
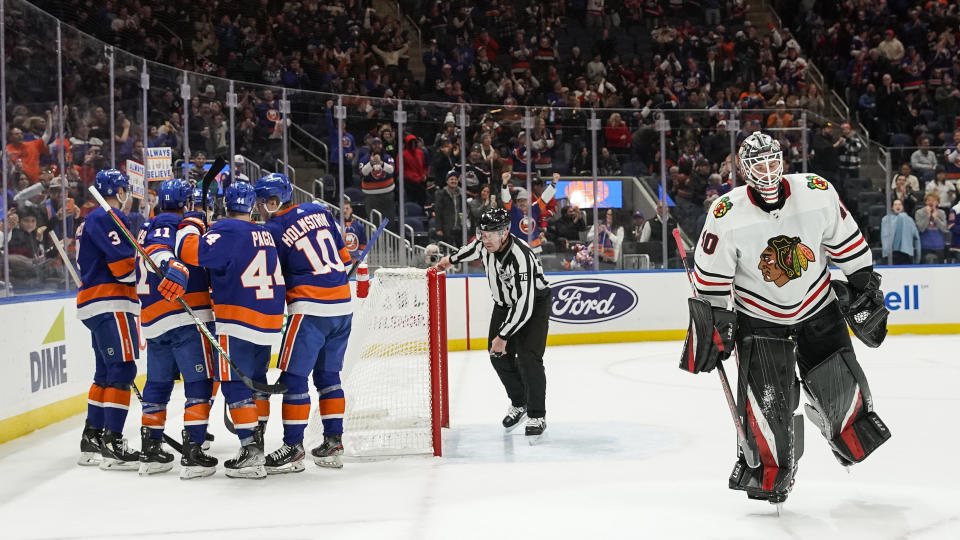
(494, 219)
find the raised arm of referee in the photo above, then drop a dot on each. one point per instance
(520, 319)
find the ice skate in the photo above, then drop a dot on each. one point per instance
(116, 455)
(248, 463)
(286, 459)
(153, 459)
(328, 454)
(195, 463)
(514, 416)
(91, 446)
(535, 429)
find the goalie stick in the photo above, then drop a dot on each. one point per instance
(57, 243)
(252, 384)
(227, 421)
(748, 453)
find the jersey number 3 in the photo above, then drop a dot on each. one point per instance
(257, 276)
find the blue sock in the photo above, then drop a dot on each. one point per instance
(332, 403)
(296, 407)
(243, 412)
(196, 410)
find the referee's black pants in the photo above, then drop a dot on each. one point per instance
(521, 369)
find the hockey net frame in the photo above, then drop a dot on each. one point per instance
(395, 379)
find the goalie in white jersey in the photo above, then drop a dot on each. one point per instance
(765, 249)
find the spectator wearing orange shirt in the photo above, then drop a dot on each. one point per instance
(26, 153)
(786, 119)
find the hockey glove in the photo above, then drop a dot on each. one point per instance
(710, 336)
(863, 307)
(175, 276)
(195, 222)
(202, 216)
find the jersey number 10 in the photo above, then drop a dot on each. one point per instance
(327, 259)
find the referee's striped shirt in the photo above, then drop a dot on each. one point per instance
(515, 278)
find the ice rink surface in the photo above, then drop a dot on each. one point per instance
(635, 448)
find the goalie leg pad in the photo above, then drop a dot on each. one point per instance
(710, 336)
(842, 407)
(768, 395)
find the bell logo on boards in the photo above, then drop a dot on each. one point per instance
(48, 365)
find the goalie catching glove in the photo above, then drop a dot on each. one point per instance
(710, 336)
(861, 302)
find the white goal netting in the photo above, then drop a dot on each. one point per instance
(387, 369)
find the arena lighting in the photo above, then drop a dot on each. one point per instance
(580, 193)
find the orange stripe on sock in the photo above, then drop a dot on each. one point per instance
(95, 393)
(332, 406)
(263, 408)
(198, 411)
(115, 395)
(296, 411)
(244, 416)
(157, 419)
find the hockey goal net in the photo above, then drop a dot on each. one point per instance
(395, 370)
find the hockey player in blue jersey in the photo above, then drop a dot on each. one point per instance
(173, 342)
(315, 264)
(107, 305)
(248, 302)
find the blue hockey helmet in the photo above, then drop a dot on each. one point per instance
(197, 196)
(239, 197)
(274, 185)
(173, 194)
(108, 181)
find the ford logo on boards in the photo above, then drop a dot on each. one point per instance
(582, 301)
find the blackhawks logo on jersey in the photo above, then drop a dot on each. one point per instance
(722, 207)
(815, 182)
(784, 259)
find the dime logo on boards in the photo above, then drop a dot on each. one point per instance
(590, 301)
(48, 365)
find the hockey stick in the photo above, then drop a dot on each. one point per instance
(57, 243)
(76, 279)
(215, 168)
(254, 385)
(366, 249)
(748, 454)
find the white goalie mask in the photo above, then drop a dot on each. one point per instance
(761, 163)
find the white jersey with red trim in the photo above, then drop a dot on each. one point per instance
(776, 263)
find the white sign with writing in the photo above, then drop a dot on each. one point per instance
(159, 164)
(135, 173)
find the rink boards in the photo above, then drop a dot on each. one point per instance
(612, 307)
(48, 360)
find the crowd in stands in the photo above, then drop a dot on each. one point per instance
(895, 63)
(700, 64)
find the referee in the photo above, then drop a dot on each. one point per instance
(521, 313)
